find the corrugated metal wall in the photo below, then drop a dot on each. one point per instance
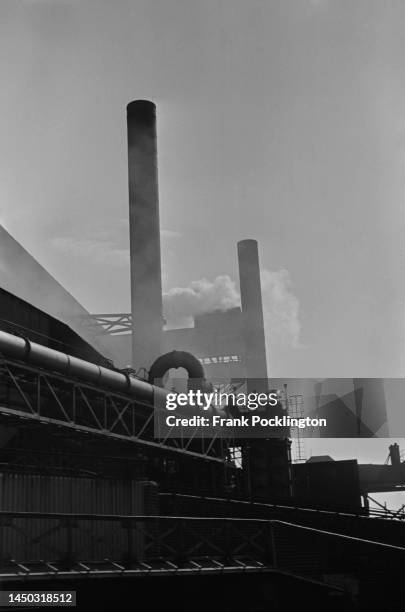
(33, 538)
(38, 493)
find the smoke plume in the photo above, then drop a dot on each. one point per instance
(182, 304)
(281, 308)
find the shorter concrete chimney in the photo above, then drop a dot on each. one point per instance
(252, 310)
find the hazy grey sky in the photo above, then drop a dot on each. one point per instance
(280, 120)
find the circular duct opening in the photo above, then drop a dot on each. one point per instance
(174, 360)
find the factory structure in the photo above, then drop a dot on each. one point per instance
(78, 391)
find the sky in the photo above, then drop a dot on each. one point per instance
(279, 120)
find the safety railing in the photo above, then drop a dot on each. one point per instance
(89, 543)
(178, 498)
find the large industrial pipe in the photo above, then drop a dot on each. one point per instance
(176, 359)
(252, 314)
(22, 349)
(146, 283)
(15, 348)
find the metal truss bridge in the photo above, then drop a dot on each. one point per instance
(112, 324)
(30, 395)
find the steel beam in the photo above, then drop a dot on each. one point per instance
(33, 395)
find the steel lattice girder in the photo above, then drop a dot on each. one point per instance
(33, 394)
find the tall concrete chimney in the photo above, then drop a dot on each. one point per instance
(146, 280)
(252, 312)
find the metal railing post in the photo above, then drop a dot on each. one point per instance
(129, 559)
(67, 560)
(273, 544)
(228, 541)
(181, 554)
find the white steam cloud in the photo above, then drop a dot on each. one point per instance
(181, 304)
(281, 308)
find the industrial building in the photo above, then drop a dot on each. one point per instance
(87, 491)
